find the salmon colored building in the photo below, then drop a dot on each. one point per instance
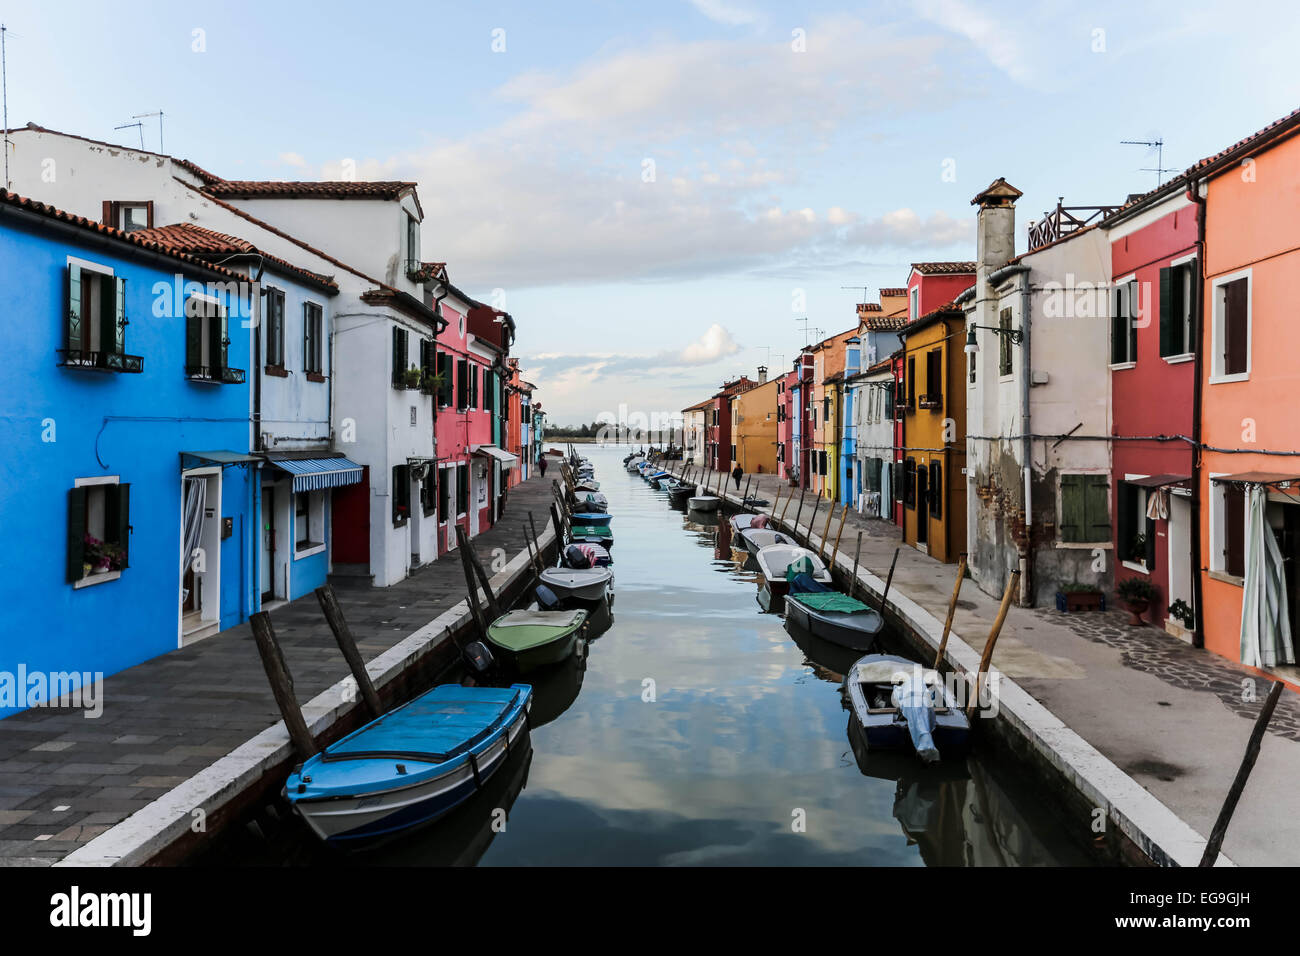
(1249, 474)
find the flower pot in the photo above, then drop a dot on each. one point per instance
(1137, 608)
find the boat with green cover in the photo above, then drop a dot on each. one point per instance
(531, 639)
(826, 613)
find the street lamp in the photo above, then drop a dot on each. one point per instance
(973, 346)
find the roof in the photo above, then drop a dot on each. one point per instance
(949, 310)
(886, 323)
(870, 307)
(893, 293)
(324, 189)
(997, 193)
(157, 245)
(197, 170)
(943, 268)
(202, 242)
(1277, 129)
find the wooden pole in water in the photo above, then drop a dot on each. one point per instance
(889, 580)
(745, 497)
(798, 513)
(787, 505)
(839, 534)
(987, 656)
(952, 609)
(470, 558)
(559, 526)
(537, 543)
(857, 553)
(776, 502)
(826, 530)
(277, 672)
(1220, 830)
(347, 644)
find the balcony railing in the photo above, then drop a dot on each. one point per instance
(1063, 220)
(217, 374)
(101, 360)
(930, 401)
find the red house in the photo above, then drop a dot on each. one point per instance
(717, 424)
(1152, 373)
(785, 412)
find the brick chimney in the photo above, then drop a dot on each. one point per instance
(995, 229)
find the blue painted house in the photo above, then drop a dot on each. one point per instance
(850, 480)
(127, 492)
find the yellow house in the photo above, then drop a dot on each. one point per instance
(934, 428)
(753, 427)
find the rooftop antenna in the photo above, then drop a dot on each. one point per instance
(158, 114)
(138, 126)
(1158, 144)
(807, 329)
(864, 289)
(4, 94)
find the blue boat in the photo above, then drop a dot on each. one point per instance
(592, 519)
(411, 765)
(902, 706)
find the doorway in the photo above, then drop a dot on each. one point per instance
(268, 543)
(922, 504)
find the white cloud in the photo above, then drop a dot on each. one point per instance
(715, 344)
(725, 13)
(995, 37)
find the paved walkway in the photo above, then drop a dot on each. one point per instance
(1170, 716)
(64, 779)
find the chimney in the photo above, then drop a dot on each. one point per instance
(762, 375)
(995, 229)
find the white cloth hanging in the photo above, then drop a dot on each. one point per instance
(1265, 617)
(1158, 505)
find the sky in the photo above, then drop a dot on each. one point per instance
(668, 195)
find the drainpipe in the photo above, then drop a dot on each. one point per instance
(1026, 564)
(1198, 621)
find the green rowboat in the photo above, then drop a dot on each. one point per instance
(530, 639)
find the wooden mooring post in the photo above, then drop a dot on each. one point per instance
(952, 610)
(744, 498)
(884, 598)
(853, 582)
(537, 544)
(470, 558)
(277, 672)
(821, 544)
(787, 504)
(329, 605)
(844, 514)
(1220, 830)
(777, 501)
(987, 657)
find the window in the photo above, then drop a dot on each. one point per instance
(914, 306)
(1135, 533)
(462, 490)
(308, 520)
(1085, 508)
(1228, 527)
(933, 397)
(207, 342)
(911, 383)
(274, 327)
(94, 326)
(444, 499)
(429, 492)
(1231, 329)
(99, 529)
(733, 452)
(935, 490)
(445, 373)
(1004, 342)
(473, 386)
(401, 355)
(401, 492)
(128, 216)
(889, 402)
(428, 366)
(489, 390)
(909, 483)
(462, 384)
(1123, 325)
(1177, 306)
(313, 339)
(412, 244)
(971, 361)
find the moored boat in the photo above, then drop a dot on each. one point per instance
(755, 540)
(592, 519)
(529, 639)
(410, 766)
(705, 503)
(832, 616)
(902, 706)
(578, 584)
(775, 560)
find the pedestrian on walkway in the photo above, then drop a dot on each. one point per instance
(541, 465)
(736, 474)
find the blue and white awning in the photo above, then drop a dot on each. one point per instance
(313, 474)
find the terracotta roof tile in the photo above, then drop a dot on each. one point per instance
(869, 307)
(886, 323)
(199, 241)
(943, 268)
(1286, 124)
(893, 293)
(338, 189)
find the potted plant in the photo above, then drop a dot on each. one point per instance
(1080, 597)
(95, 555)
(1181, 612)
(411, 377)
(1136, 593)
(1137, 549)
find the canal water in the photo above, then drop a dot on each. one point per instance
(699, 730)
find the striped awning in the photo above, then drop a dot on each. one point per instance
(313, 474)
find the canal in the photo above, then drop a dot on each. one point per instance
(698, 730)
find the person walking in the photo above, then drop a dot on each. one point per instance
(541, 465)
(736, 474)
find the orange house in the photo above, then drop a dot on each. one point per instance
(1248, 477)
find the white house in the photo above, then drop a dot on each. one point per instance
(873, 411)
(1037, 406)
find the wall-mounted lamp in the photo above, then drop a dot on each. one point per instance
(973, 346)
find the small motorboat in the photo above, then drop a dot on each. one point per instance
(634, 464)
(585, 554)
(578, 584)
(903, 706)
(590, 501)
(739, 522)
(592, 519)
(587, 485)
(412, 765)
(775, 560)
(705, 503)
(830, 615)
(755, 540)
(530, 639)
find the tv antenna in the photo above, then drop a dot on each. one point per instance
(864, 289)
(159, 114)
(1158, 144)
(136, 126)
(807, 329)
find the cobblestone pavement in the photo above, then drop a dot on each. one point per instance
(64, 779)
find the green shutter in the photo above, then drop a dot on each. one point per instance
(76, 533)
(73, 325)
(222, 352)
(117, 518)
(1096, 508)
(1194, 267)
(193, 334)
(1073, 516)
(1167, 312)
(119, 315)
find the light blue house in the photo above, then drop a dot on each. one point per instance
(127, 491)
